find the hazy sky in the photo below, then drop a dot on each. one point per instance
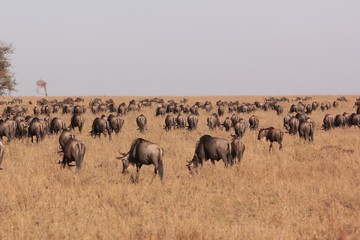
(184, 47)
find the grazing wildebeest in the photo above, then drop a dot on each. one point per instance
(306, 131)
(354, 120)
(340, 121)
(192, 122)
(36, 129)
(2, 151)
(272, 135)
(143, 152)
(221, 111)
(294, 125)
(77, 121)
(212, 148)
(100, 126)
(181, 121)
(279, 110)
(254, 123)
(227, 124)
(335, 104)
(237, 149)
(286, 121)
(160, 111)
(141, 121)
(36, 111)
(309, 109)
(240, 128)
(57, 125)
(122, 109)
(342, 99)
(115, 123)
(235, 118)
(169, 123)
(213, 121)
(8, 129)
(64, 137)
(74, 151)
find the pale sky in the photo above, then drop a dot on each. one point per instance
(184, 47)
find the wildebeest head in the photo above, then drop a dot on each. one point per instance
(125, 161)
(262, 133)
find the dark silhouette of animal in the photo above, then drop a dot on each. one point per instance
(74, 151)
(237, 149)
(169, 123)
(328, 122)
(212, 148)
(279, 110)
(8, 129)
(64, 137)
(141, 122)
(22, 129)
(100, 126)
(143, 152)
(306, 131)
(181, 121)
(57, 125)
(340, 121)
(294, 125)
(77, 121)
(240, 128)
(234, 119)
(221, 111)
(192, 122)
(160, 111)
(272, 135)
(253, 122)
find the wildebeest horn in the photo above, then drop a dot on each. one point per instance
(123, 154)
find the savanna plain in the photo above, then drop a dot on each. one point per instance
(306, 191)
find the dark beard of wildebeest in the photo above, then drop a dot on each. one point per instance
(141, 122)
(294, 125)
(8, 129)
(306, 131)
(272, 135)
(254, 123)
(181, 121)
(74, 151)
(169, 123)
(237, 149)
(77, 121)
(213, 121)
(57, 125)
(64, 137)
(100, 126)
(143, 152)
(212, 148)
(192, 122)
(36, 129)
(116, 123)
(227, 124)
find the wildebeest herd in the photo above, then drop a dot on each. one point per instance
(18, 123)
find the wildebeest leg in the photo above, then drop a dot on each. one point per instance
(280, 147)
(138, 166)
(270, 147)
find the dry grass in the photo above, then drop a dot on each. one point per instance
(306, 191)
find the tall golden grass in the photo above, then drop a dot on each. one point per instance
(306, 191)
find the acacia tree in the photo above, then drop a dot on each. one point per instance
(7, 80)
(42, 84)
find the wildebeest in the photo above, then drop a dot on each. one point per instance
(253, 122)
(143, 152)
(100, 126)
(235, 118)
(74, 151)
(237, 149)
(181, 121)
(160, 111)
(64, 137)
(169, 122)
(36, 129)
(22, 129)
(306, 131)
(141, 121)
(340, 121)
(192, 122)
(8, 129)
(77, 121)
(294, 125)
(328, 122)
(240, 128)
(115, 123)
(213, 121)
(221, 110)
(227, 124)
(212, 148)
(2, 151)
(279, 110)
(57, 125)
(272, 135)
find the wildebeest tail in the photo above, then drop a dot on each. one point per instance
(161, 166)
(80, 153)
